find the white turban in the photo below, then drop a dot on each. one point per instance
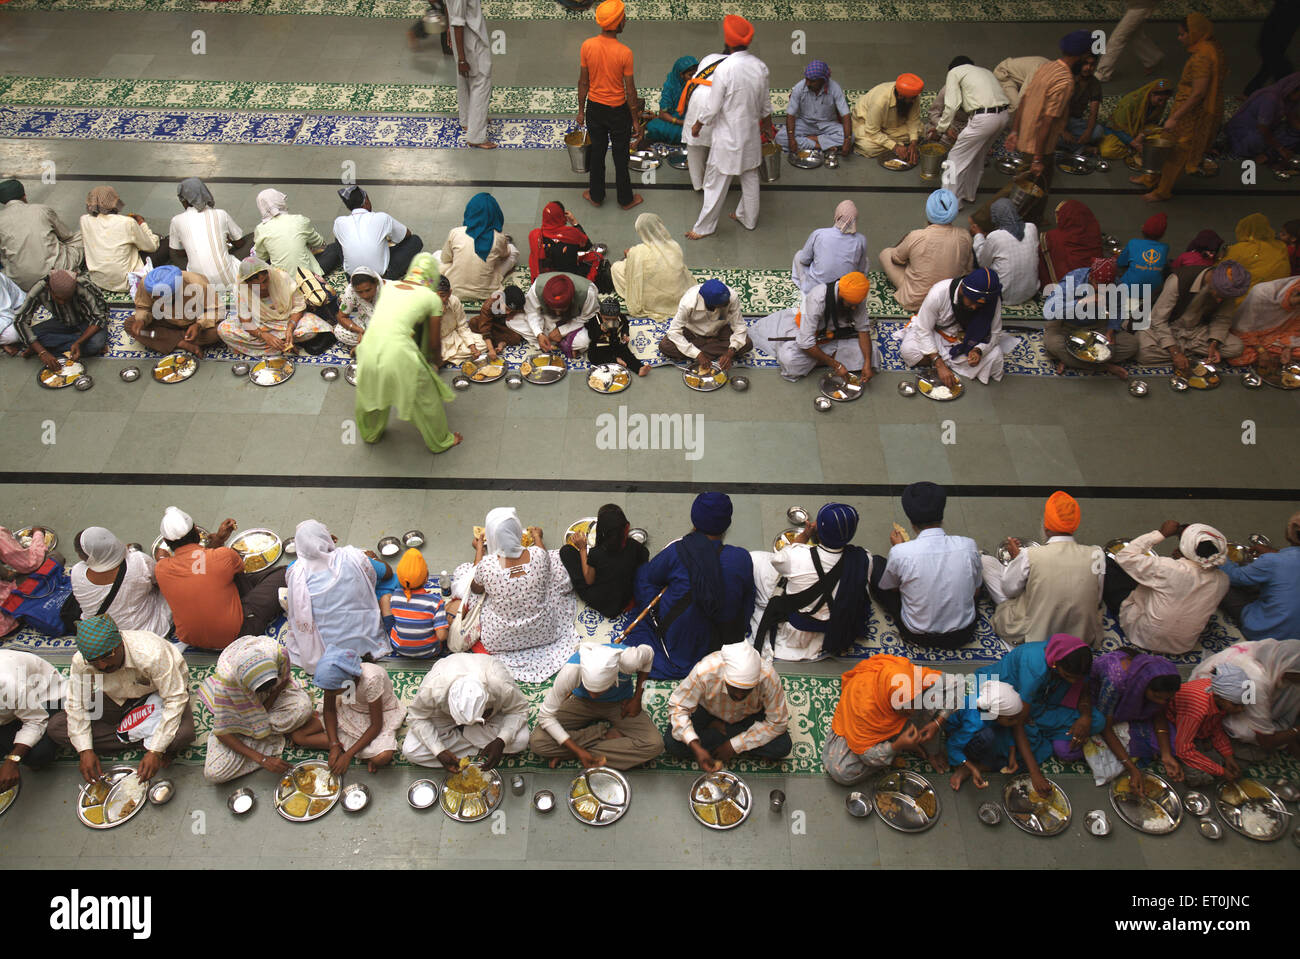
(598, 666)
(999, 699)
(1194, 536)
(466, 700)
(741, 665)
(103, 550)
(176, 523)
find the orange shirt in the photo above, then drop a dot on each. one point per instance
(201, 592)
(607, 61)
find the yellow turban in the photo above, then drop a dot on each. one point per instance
(1061, 515)
(412, 571)
(609, 14)
(854, 288)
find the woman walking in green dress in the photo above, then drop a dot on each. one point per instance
(393, 360)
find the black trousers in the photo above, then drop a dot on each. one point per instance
(38, 757)
(711, 739)
(259, 594)
(609, 599)
(891, 601)
(400, 256)
(609, 127)
(1116, 585)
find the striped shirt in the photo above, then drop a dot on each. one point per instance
(706, 686)
(1195, 715)
(416, 622)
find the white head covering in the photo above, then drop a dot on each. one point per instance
(598, 666)
(846, 217)
(1198, 533)
(505, 534)
(466, 700)
(313, 544)
(271, 203)
(103, 550)
(175, 523)
(741, 665)
(999, 699)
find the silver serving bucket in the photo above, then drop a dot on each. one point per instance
(932, 157)
(1155, 152)
(769, 171)
(577, 142)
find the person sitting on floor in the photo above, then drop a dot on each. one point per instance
(817, 117)
(1132, 689)
(666, 125)
(1197, 713)
(560, 245)
(708, 328)
(467, 705)
(609, 332)
(887, 119)
(1082, 131)
(78, 323)
(832, 328)
(459, 341)
(1164, 603)
(1259, 250)
(1135, 112)
(125, 689)
(257, 709)
(1010, 250)
(271, 315)
(980, 738)
(1263, 597)
(213, 601)
(493, 319)
(1192, 317)
(175, 309)
(30, 689)
(604, 574)
(204, 239)
(33, 240)
(287, 240)
(1268, 324)
(705, 592)
(1074, 242)
(118, 581)
(831, 251)
(1083, 303)
(1266, 127)
(1203, 250)
(1048, 589)
(363, 722)
(1269, 721)
(357, 306)
(415, 617)
(556, 310)
(114, 242)
(1143, 260)
(928, 584)
(11, 301)
(16, 562)
(477, 256)
(811, 597)
(887, 707)
(652, 275)
(730, 705)
(602, 683)
(958, 330)
(935, 252)
(367, 238)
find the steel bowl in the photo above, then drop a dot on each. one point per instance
(517, 785)
(1210, 829)
(161, 791)
(460, 382)
(797, 515)
(413, 538)
(990, 813)
(240, 369)
(544, 801)
(1251, 380)
(858, 805)
(1138, 387)
(906, 388)
(83, 382)
(129, 374)
(638, 534)
(677, 159)
(350, 374)
(1259, 539)
(823, 404)
(389, 547)
(740, 382)
(514, 380)
(1287, 790)
(422, 794)
(1197, 803)
(329, 373)
(242, 801)
(776, 800)
(356, 797)
(832, 160)
(291, 547)
(1101, 166)
(1179, 384)
(1097, 822)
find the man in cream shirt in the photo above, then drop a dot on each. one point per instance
(467, 704)
(29, 688)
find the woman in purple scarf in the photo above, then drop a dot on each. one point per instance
(1133, 687)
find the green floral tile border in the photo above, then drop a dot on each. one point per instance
(689, 10)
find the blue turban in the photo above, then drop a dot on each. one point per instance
(1076, 43)
(714, 293)
(336, 667)
(1230, 682)
(817, 70)
(924, 503)
(711, 513)
(836, 524)
(163, 280)
(981, 286)
(941, 207)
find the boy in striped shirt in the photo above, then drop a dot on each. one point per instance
(415, 616)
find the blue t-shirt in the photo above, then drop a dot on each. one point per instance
(1143, 262)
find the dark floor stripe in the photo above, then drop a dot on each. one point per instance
(972, 490)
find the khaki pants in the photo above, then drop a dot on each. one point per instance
(641, 740)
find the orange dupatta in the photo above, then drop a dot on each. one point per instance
(866, 714)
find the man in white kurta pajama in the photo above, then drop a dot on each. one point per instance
(700, 89)
(832, 324)
(935, 331)
(467, 704)
(469, 40)
(739, 105)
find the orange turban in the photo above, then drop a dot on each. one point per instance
(854, 288)
(1061, 515)
(609, 14)
(412, 571)
(737, 31)
(909, 85)
(872, 694)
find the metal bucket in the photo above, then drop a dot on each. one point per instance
(1024, 194)
(1155, 153)
(769, 171)
(932, 157)
(577, 142)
